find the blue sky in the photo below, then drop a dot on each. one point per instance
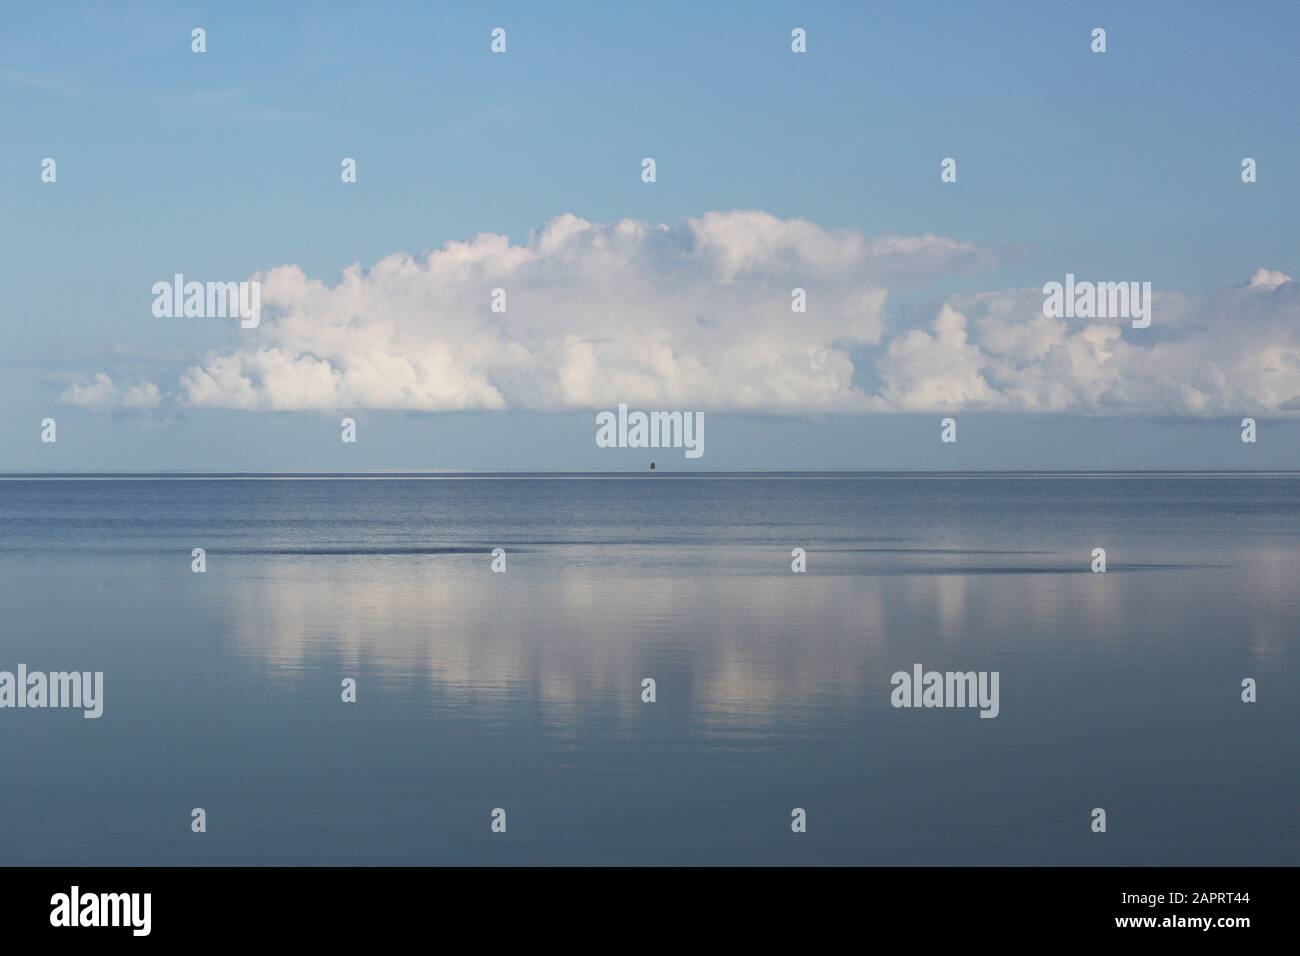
(1117, 166)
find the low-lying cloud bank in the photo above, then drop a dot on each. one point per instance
(1237, 351)
(699, 316)
(102, 393)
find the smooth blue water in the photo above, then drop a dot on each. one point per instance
(522, 690)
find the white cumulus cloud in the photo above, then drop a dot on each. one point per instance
(101, 393)
(694, 315)
(1234, 351)
(698, 316)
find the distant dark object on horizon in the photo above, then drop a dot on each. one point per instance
(652, 466)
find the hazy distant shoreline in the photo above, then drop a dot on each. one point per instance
(579, 475)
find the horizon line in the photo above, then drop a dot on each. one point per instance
(737, 473)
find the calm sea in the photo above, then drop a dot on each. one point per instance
(478, 690)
